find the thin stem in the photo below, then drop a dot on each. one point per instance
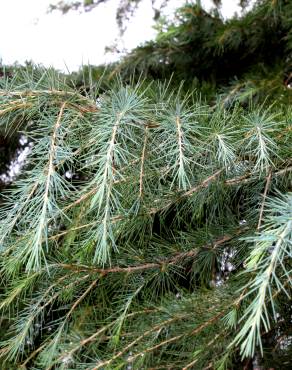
(33, 259)
(174, 339)
(188, 193)
(92, 338)
(142, 162)
(191, 364)
(137, 340)
(148, 266)
(235, 181)
(264, 200)
(15, 107)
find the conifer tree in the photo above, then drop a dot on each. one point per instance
(149, 229)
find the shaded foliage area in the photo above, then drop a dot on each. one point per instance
(241, 58)
(201, 45)
(9, 144)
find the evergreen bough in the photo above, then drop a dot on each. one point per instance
(146, 230)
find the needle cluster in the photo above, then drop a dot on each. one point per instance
(146, 229)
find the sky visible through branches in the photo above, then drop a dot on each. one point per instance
(73, 39)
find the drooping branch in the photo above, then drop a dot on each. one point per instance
(154, 265)
(40, 235)
(176, 338)
(137, 340)
(28, 98)
(96, 335)
(230, 182)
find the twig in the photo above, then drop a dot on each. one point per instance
(174, 339)
(15, 107)
(32, 355)
(154, 265)
(76, 303)
(145, 334)
(191, 364)
(235, 181)
(25, 93)
(92, 338)
(142, 162)
(264, 200)
(151, 211)
(50, 171)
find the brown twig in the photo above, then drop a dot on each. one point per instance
(151, 211)
(235, 181)
(145, 334)
(154, 265)
(32, 355)
(92, 338)
(15, 107)
(177, 337)
(188, 193)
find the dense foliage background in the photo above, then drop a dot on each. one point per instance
(151, 224)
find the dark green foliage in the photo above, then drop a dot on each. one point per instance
(199, 45)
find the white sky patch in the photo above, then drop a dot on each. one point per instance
(28, 32)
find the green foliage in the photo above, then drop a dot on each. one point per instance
(150, 227)
(267, 262)
(115, 238)
(202, 45)
(243, 58)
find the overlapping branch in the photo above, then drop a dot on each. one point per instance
(173, 260)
